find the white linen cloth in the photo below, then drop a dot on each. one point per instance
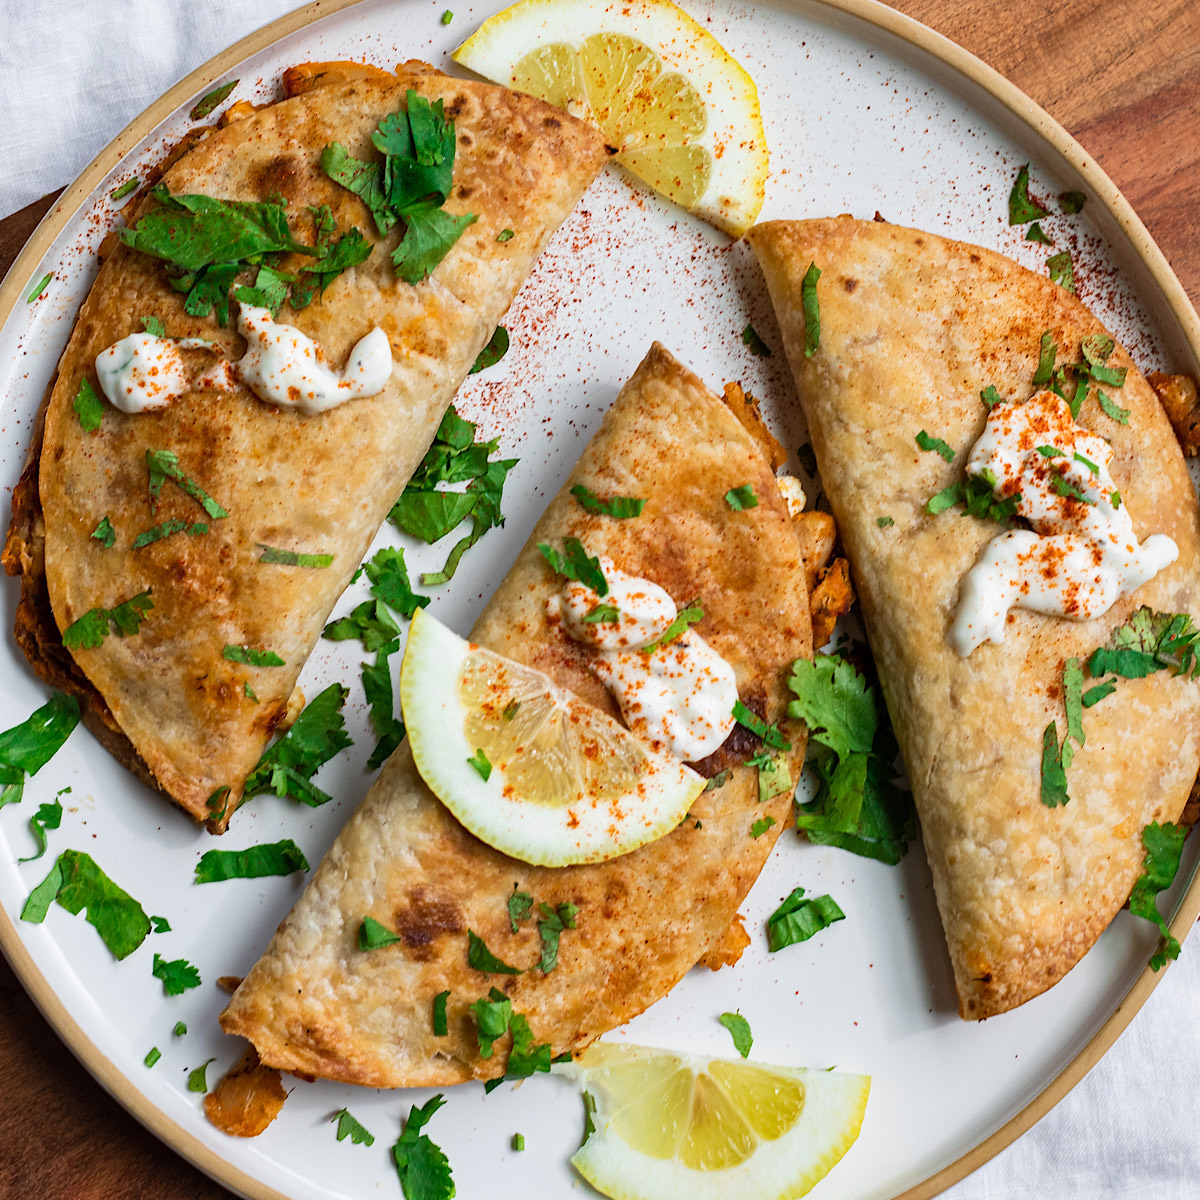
(75, 72)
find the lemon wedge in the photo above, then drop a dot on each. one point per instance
(528, 767)
(671, 1125)
(682, 114)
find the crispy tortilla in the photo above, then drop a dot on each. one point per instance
(316, 1004)
(912, 327)
(165, 700)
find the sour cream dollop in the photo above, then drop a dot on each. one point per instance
(679, 697)
(143, 372)
(1081, 555)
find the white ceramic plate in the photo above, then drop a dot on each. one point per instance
(864, 111)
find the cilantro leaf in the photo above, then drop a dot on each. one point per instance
(211, 100)
(390, 583)
(604, 614)
(370, 622)
(423, 1168)
(348, 1127)
(197, 1081)
(1096, 694)
(88, 407)
(208, 289)
(255, 862)
(441, 1026)
(287, 767)
(812, 310)
(177, 976)
(482, 959)
(104, 533)
(553, 921)
(252, 657)
(430, 233)
(524, 1059)
(774, 779)
(491, 1018)
(1164, 846)
(364, 179)
(164, 465)
(377, 686)
(1035, 233)
(290, 558)
(976, 493)
(48, 816)
(166, 529)
(797, 919)
(620, 507)
(991, 397)
(575, 564)
(1021, 209)
(1047, 354)
(1061, 270)
(154, 327)
(481, 763)
(835, 702)
(27, 747)
(270, 290)
(1054, 768)
(739, 1030)
(77, 883)
(752, 721)
(519, 904)
(372, 935)
(677, 628)
(1112, 409)
(885, 522)
(430, 515)
(1149, 641)
(90, 630)
(754, 343)
(741, 498)
(925, 442)
(192, 231)
(493, 352)
(1071, 202)
(761, 826)
(1073, 699)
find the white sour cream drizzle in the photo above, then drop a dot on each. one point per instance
(679, 697)
(281, 366)
(1081, 555)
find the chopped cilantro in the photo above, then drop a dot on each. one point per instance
(925, 442)
(1021, 209)
(130, 185)
(370, 622)
(166, 529)
(290, 558)
(620, 507)
(812, 310)
(1035, 233)
(287, 767)
(761, 826)
(519, 905)
(550, 926)
(252, 657)
(1112, 409)
(255, 862)
(196, 1080)
(884, 522)
(180, 1029)
(480, 762)
(602, 614)
(164, 465)
(77, 883)
(372, 935)
(741, 498)
(1073, 699)
(39, 287)
(505, 235)
(1051, 452)
(1149, 641)
(797, 919)
(177, 976)
(1071, 202)
(104, 533)
(524, 1059)
(677, 628)
(152, 1056)
(574, 563)
(1047, 354)
(97, 623)
(88, 407)
(441, 1026)
(27, 747)
(160, 924)
(423, 1168)
(390, 582)
(48, 816)
(774, 779)
(1096, 694)
(348, 1127)
(977, 495)
(720, 779)
(1055, 760)
(990, 397)
(377, 686)
(769, 733)
(493, 352)
(154, 327)
(1164, 846)
(754, 343)
(511, 709)
(858, 806)
(491, 1018)
(211, 100)
(1061, 270)
(482, 959)
(1060, 485)
(739, 1030)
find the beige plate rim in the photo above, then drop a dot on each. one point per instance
(1054, 136)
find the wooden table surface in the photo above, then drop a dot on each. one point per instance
(1134, 108)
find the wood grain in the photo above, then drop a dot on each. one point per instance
(1123, 78)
